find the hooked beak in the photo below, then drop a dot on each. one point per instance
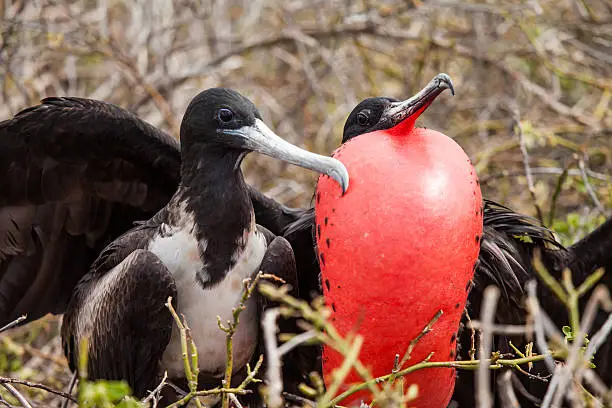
(260, 138)
(397, 112)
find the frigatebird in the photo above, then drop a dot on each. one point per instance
(76, 173)
(400, 247)
(507, 248)
(198, 248)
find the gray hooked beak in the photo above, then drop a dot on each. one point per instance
(260, 138)
(397, 112)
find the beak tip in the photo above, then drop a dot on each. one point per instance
(344, 187)
(445, 82)
(340, 174)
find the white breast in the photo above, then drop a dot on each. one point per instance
(179, 252)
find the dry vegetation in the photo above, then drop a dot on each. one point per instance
(533, 87)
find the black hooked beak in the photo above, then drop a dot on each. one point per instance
(260, 138)
(397, 112)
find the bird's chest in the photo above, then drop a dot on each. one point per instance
(179, 250)
(202, 306)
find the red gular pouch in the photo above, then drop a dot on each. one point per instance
(400, 245)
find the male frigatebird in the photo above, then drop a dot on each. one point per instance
(505, 258)
(197, 249)
(400, 246)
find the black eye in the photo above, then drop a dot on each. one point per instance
(225, 115)
(362, 118)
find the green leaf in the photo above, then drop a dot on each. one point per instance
(103, 394)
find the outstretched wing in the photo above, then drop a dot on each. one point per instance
(74, 175)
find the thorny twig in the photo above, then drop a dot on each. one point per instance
(418, 338)
(327, 333)
(472, 351)
(493, 364)
(230, 329)
(190, 353)
(31, 384)
(190, 358)
(400, 363)
(576, 361)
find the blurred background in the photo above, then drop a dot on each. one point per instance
(533, 84)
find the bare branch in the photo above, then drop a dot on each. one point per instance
(273, 372)
(22, 400)
(589, 188)
(489, 305)
(8, 380)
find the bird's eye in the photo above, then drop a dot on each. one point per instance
(362, 118)
(225, 115)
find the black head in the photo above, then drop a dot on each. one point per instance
(366, 117)
(214, 111)
(383, 113)
(219, 121)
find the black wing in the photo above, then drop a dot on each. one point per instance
(272, 215)
(506, 254)
(300, 235)
(119, 306)
(74, 174)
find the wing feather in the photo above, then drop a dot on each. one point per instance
(74, 174)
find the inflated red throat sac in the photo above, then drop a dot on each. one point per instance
(399, 246)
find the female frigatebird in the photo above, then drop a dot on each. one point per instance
(75, 174)
(197, 249)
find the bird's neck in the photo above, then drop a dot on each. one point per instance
(213, 190)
